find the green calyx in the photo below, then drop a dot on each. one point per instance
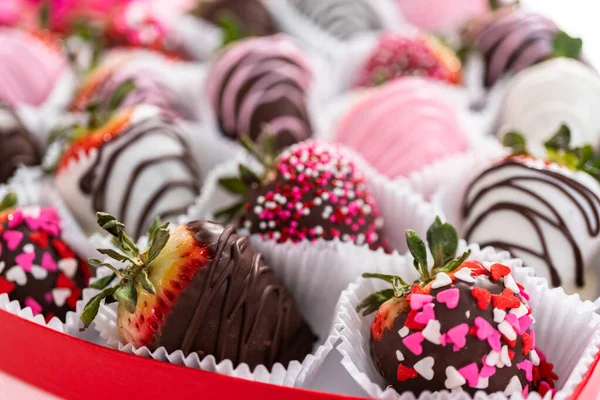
(240, 185)
(8, 202)
(566, 46)
(560, 151)
(442, 241)
(230, 26)
(131, 278)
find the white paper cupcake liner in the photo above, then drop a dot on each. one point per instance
(316, 269)
(200, 38)
(566, 329)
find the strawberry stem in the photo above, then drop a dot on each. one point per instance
(9, 201)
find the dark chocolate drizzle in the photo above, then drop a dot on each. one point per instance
(17, 147)
(534, 216)
(251, 16)
(94, 181)
(234, 308)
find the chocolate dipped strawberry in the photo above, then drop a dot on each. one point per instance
(201, 288)
(310, 191)
(37, 267)
(133, 163)
(464, 325)
(396, 56)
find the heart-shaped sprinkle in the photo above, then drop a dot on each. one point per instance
(486, 370)
(457, 336)
(411, 323)
(499, 315)
(526, 344)
(453, 378)
(403, 331)
(6, 286)
(482, 383)
(503, 302)
(40, 238)
(413, 342)
(535, 358)
(510, 283)
(514, 386)
(2, 265)
(34, 305)
(418, 301)
(405, 373)
(524, 323)
(470, 373)
(468, 314)
(28, 248)
(484, 328)
(12, 239)
(507, 330)
(513, 321)
(16, 220)
(48, 262)
(492, 358)
(525, 392)
(482, 296)
(449, 297)
(524, 294)
(425, 367)
(504, 357)
(48, 297)
(39, 273)
(498, 271)
(32, 211)
(519, 311)
(494, 340)
(16, 275)
(464, 274)
(68, 266)
(60, 296)
(399, 356)
(442, 279)
(425, 315)
(74, 298)
(432, 331)
(25, 260)
(63, 282)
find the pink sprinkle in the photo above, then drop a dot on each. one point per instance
(48, 297)
(449, 297)
(525, 391)
(484, 328)
(532, 334)
(494, 341)
(486, 370)
(457, 335)
(34, 305)
(48, 262)
(418, 301)
(470, 373)
(426, 315)
(444, 339)
(17, 219)
(413, 342)
(544, 385)
(13, 239)
(525, 295)
(25, 260)
(512, 320)
(524, 323)
(526, 366)
(33, 223)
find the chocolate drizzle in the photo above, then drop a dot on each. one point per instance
(251, 16)
(17, 147)
(519, 183)
(234, 308)
(96, 179)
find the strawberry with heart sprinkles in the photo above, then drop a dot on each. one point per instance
(37, 267)
(463, 326)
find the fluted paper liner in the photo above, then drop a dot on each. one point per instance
(566, 329)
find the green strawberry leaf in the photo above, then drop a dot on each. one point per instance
(126, 294)
(452, 265)
(561, 140)
(234, 185)
(91, 308)
(231, 27)
(374, 301)
(117, 229)
(97, 264)
(250, 147)
(443, 243)
(115, 255)
(229, 213)
(158, 243)
(566, 46)
(515, 141)
(417, 248)
(248, 176)
(393, 279)
(103, 282)
(145, 282)
(9, 201)
(120, 94)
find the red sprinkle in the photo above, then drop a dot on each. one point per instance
(527, 342)
(483, 297)
(6, 286)
(498, 271)
(405, 373)
(411, 323)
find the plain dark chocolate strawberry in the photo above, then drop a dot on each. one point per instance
(201, 288)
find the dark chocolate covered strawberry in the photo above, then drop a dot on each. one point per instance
(464, 325)
(37, 267)
(201, 288)
(310, 191)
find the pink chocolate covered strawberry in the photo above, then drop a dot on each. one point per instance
(201, 288)
(463, 325)
(37, 267)
(310, 191)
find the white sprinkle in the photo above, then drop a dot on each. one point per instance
(345, 237)
(306, 211)
(276, 235)
(492, 358)
(317, 201)
(271, 205)
(28, 248)
(247, 224)
(499, 315)
(535, 358)
(453, 378)
(441, 279)
(513, 387)
(338, 192)
(60, 296)
(403, 331)
(271, 224)
(399, 356)
(504, 356)
(431, 332)
(318, 229)
(262, 225)
(520, 311)
(468, 313)
(260, 199)
(510, 283)
(325, 196)
(487, 265)
(298, 206)
(464, 274)
(367, 209)
(300, 167)
(507, 330)
(482, 383)
(344, 210)
(425, 367)
(258, 210)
